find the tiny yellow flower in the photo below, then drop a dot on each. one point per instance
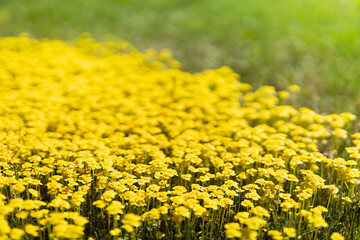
(274, 234)
(336, 236)
(16, 233)
(132, 220)
(233, 230)
(294, 88)
(115, 232)
(32, 230)
(283, 94)
(290, 232)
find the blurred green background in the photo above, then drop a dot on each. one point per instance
(315, 44)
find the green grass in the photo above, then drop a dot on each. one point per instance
(311, 43)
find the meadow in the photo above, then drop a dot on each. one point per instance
(101, 141)
(179, 120)
(313, 44)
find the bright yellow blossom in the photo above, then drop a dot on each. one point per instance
(290, 232)
(336, 236)
(32, 230)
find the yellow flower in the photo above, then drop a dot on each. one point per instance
(164, 209)
(59, 203)
(245, 87)
(242, 216)
(151, 215)
(247, 203)
(128, 228)
(274, 234)
(108, 196)
(16, 233)
(225, 202)
(233, 230)
(22, 214)
(32, 230)
(115, 232)
(178, 190)
(68, 231)
(248, 234)
(290, 232)
(33, 192)
(18, 187)
(336, 236)
(132, 220)
(283, 94)
(115, 207)
(182, 211)
(186, 177)
(294, 88)
(99, 204)
(4, 226)
(340, 133)
(260, 211)
(39, 214)
(255, 223)
(199, 210)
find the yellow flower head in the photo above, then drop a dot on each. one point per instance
(233, 230)
(336, 236)
(132, 220)
(32, 230)
(290, 232)
(16, 233)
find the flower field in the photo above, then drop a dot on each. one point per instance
(101, 141)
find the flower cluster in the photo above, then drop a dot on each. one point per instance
(99, 140)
